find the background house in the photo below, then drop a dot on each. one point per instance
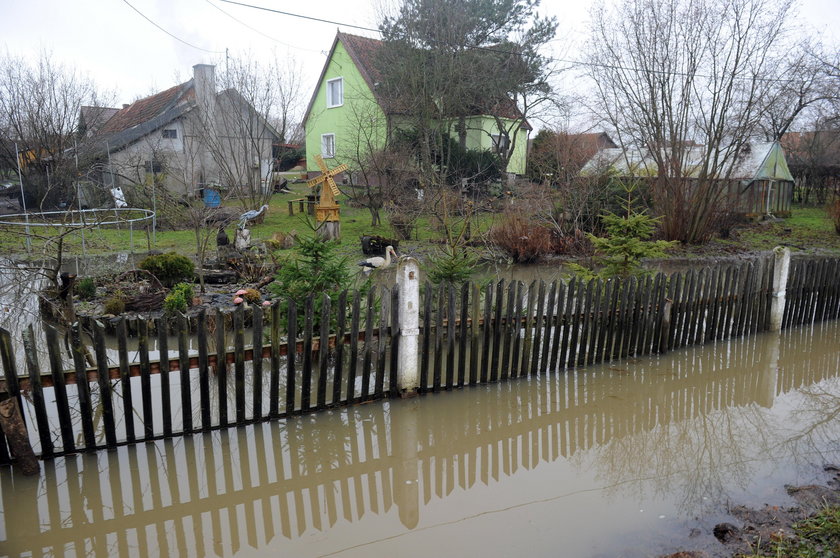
(348, 114)
(184, 138)
(758, 182)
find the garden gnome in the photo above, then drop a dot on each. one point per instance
(243, 239)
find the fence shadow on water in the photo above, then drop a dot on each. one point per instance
(229, 369)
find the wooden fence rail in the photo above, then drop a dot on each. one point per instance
(115, 389)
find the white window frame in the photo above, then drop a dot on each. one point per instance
(330, 84)
(326, 153)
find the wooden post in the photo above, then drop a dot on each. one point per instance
(408, 283)
(781, 268)
(11, 422)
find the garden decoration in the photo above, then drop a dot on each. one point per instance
(326, 211)
(377, 262)
(250, 216)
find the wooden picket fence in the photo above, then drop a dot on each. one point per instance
(229, 369)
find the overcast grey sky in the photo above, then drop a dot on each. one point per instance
(123, 52)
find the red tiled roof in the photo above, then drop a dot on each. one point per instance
(364, 51)
(145, 109)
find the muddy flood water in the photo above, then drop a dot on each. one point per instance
(633, 458)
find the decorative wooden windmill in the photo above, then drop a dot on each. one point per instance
(326, 211)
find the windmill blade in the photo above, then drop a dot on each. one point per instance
(333, 186)
(312, 182)
(321, 164)
(339, 169)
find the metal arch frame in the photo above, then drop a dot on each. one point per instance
(26, 218)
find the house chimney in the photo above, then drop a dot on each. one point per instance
(205, 85)
(204, 81)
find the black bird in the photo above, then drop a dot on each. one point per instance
(222, 237)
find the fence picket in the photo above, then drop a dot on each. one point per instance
(489, 328)
(104, 382)
(257, 363)
(306, 365)
(203, 370)
(163, 359)
(184, 369)
(324, 350)
(395, 342)
(497, 330)
(125, 378)
(463, 338)
(38, 400)
(439, 321)
(425, 355)
(354, 348)
(367, 361)
(450, 337)
(221, 367)
(381, 343)
(291, 357)
(145, 378)
(340, 331)
(569, 322)
(540, 331)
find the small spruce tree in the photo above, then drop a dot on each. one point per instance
(627, 242)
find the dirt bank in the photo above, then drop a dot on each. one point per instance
(757, 531)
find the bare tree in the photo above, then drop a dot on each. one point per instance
(40, 104)
(688, 82)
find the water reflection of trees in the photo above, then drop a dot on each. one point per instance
(686, 423)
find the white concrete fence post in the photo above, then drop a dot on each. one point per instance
(781, 269)
(408, 282)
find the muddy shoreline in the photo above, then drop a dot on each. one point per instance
(756, 529)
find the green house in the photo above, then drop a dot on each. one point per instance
(346, 115)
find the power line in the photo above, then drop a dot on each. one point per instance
(506, 52)
(302, 16)
(269, 37)
(168, 33)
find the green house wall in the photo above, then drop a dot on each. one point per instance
(360, 125)
(359, 118)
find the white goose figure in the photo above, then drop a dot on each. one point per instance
(377, 262)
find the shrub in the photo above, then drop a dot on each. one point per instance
(178, 299)
(86, 288)
(452, 266)
(523, 241)
(115, 304)
(169, 268)
(175, 302)
(186, 289)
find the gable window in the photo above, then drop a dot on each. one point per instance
(170, 133)
(328, 146)
(335, 92)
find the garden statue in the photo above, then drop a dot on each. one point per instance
(243, 239)
(377, 262)
(251, 215)
(326, 211)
